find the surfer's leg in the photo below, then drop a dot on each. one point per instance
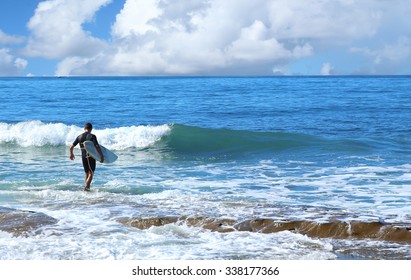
(86, 179)
(91, 166)
(89, 178)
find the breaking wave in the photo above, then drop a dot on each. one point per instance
(38, 134)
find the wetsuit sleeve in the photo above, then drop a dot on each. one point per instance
(76, 141)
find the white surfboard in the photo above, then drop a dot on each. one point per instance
(109, 156)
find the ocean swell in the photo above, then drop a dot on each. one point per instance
(196, 141)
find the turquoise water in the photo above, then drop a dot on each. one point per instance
(283, 148)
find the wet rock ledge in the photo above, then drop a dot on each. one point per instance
(21, 222)
(332, 229)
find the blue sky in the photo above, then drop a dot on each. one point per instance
(205, 37)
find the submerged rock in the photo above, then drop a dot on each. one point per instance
(220, 225)
(332, 229)
(21, 222)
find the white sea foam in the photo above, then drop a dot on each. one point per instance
(131, 137)
(367, 193)
(88, 226)
(88, 234)
(37, 133)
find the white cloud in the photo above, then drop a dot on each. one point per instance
(394, 53)
(316, 19)
(9, 40)
(71, 64)
(9, 64)
(327, 69)
(389, 58)
(56, 29)
(254, 44)
(134, 18)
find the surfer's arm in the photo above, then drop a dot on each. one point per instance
(71, 152)
(100, 152)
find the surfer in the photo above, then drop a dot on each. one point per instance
(89, 163)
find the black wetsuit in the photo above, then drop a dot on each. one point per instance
(89, 163)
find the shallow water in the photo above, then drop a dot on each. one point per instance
(305, 149)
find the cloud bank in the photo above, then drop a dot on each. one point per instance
(390, 58)
(212, 37)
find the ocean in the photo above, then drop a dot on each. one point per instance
(209, 168)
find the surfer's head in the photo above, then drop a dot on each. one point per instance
(88, 126)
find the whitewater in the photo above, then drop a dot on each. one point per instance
(208, 168)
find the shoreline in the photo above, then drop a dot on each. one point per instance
(28, 224)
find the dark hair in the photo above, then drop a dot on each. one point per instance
(88, 126)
